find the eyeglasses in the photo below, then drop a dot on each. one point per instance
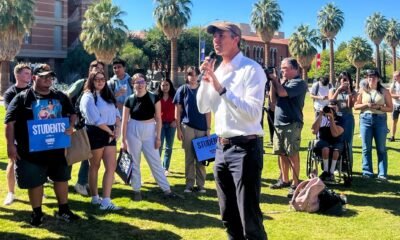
(191, 74)
(47, 77)
(99, 79)
(345, 79)
(140, 82)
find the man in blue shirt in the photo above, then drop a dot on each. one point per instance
(120, 83)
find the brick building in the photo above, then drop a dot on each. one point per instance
(254, 46)
(56, 28)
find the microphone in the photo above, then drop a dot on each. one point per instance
(212, 56)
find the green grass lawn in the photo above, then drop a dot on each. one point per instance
(372, 213)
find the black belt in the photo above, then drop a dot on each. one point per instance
(236, 140)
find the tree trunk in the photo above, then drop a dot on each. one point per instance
(106, 70)
(266, 54)
(4, 76)
(174, 61)
(394, 58)
(357, 78)
(331, 63)
(305, 73)
(378, 59)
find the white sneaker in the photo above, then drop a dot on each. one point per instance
(110, 207)
(96, 201)
(166, 173)
(9, 198)
(81, 189)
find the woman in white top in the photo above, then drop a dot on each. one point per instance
(102, 120)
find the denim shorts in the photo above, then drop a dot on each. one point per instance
(288, 139)
(396, 111)
(332, 146)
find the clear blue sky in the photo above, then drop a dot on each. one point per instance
(139, 13)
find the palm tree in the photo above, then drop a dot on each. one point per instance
(103, 31)
(266, 18)
(359, 53)
(392, 38)
(172, 16)
(376, 27)
(330, 22)
(302, 46)
(16, 18)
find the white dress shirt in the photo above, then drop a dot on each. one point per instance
(238, 112)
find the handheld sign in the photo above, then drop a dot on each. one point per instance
(48, 134)
(204, 147)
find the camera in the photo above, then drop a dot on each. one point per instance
(327, 109)
(270, 70)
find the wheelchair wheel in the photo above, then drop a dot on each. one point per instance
(312, 165)
(347, 166)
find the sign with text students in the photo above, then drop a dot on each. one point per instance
(48, 134)
(204, 147)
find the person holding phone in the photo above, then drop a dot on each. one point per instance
(345, 95)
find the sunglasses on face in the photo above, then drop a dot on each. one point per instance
(48, 77)
(100, 80)
(141, 82)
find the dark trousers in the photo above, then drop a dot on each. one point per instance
(237, 173)
(271, 117)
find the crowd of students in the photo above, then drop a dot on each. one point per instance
(147, 122)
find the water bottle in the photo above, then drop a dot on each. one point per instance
(344, 201)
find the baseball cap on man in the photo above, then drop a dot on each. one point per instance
(224, 26)
(43, 70)
(372, 72)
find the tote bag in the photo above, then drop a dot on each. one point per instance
(80, 147)
(124, 166)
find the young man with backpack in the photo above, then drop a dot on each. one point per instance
(74, 93)
(319, 93)
(120, 83)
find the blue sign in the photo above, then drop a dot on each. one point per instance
(205, 147)
(202, 50)
(48, 134)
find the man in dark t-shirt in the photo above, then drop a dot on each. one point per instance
(32, 168)
(329, 129)
(23, 75)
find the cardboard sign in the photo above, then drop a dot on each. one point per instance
(48, 134)
(204, 147)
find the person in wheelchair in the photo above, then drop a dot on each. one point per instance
(329, 130)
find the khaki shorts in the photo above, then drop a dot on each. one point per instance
(289, 139)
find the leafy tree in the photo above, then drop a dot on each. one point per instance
(330, 22)
(172, 16)
(16, 18)
(302, 46)
(134, 57)
(75, 66)
(392, 38)
(376, 27)
(266, 19)
(103, 31)
(359, 52)
(156, 47)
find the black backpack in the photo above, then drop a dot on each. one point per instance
(330, 203)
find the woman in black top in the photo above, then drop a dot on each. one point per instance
(141, 131)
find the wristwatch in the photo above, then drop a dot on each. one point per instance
(223, 91)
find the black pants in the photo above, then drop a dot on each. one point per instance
(237, 172)
(271, 116)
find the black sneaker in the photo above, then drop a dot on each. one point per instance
(280, 184)
(67, 216)
(172, 195)
(36, 219)
(324, 176)
(292, 188)
(392, 139)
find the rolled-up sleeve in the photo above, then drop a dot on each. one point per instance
(90, 111)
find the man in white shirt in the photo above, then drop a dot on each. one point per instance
(319, 93)
(235, 92)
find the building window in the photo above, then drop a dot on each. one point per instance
(57, 37)
(28, 37)
(58, 9)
